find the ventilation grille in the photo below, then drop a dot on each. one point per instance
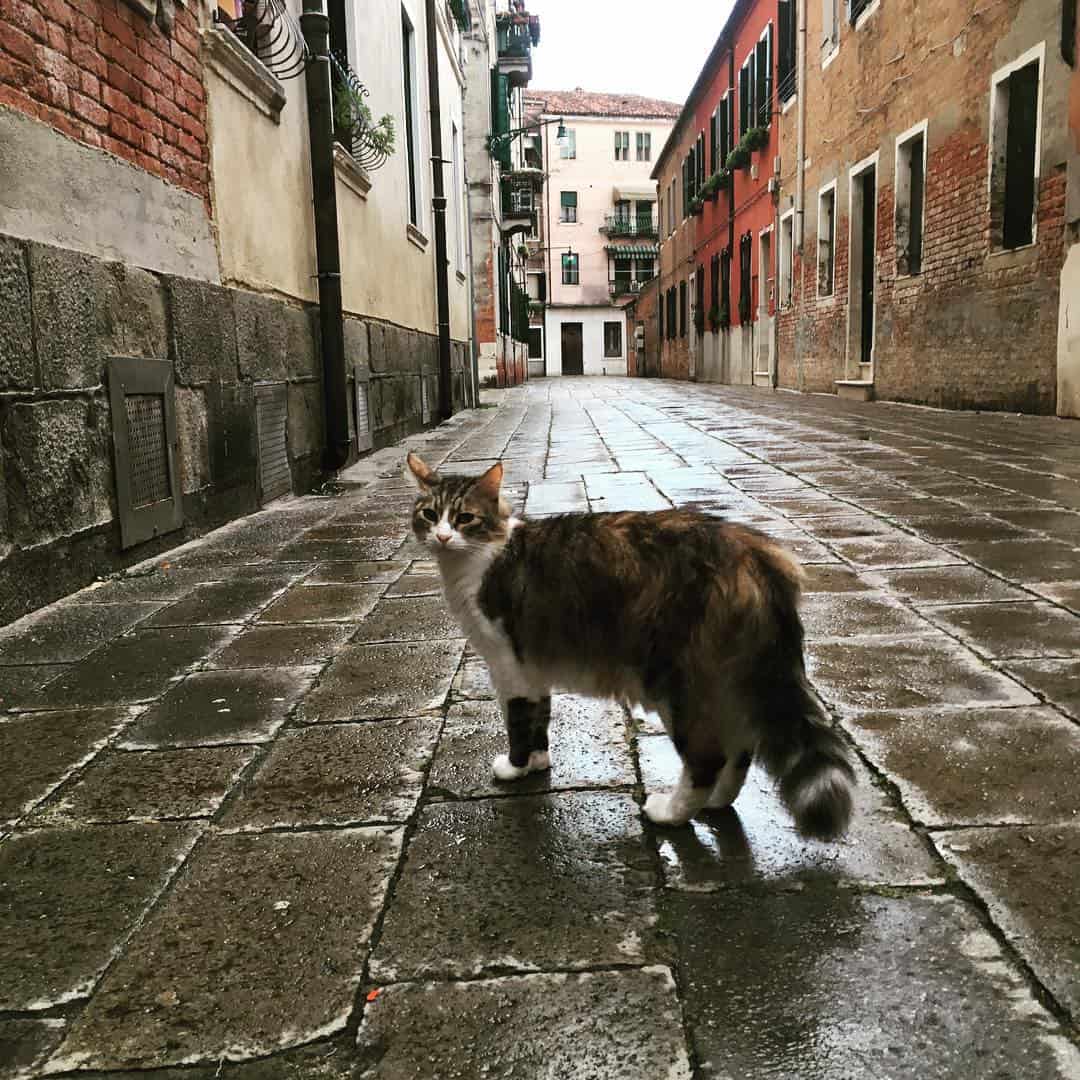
(143, 412)
(149, 462)
(425, 401)
(271, 411)
(364, 439)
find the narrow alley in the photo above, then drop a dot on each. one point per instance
(248, 826)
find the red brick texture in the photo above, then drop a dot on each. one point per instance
(977, 328)
(100, 72)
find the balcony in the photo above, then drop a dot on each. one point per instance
(620, 287)
(518, 193)
(630, 225)
(518, 32)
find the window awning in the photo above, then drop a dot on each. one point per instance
(635, 191)
(632, 251)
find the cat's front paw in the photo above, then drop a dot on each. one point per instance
(659, 809)
(502, 769)
(539, 761)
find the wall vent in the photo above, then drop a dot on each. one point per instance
(271, 413)
(143, 410)
(364, 437)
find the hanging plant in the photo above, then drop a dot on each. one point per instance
(757, 138)
(739, 158)
(523, 252)
(696, 205)
(369, 141)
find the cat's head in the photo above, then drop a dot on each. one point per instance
(458, 513)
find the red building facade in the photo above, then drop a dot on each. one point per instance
(716, 178)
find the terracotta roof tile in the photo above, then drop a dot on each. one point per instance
(586, 103)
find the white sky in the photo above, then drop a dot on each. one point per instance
(629, 46)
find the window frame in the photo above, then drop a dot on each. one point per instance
(565, 206)
(568, 152)
(1036, 54)
(619, 327)
(571, 267)
(410, 91)
(827, 189)
(622, 145)
(899, 187)
(785, 292)
(643, 143)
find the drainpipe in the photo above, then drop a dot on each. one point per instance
(438, 206)
(800, 137)
(316, 27)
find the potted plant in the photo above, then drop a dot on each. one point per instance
(696, 205)
(757, 138)
(710, 188)
(739, 158)
(523, 252)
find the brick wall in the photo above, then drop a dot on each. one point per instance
(976, 328)
(99, 71)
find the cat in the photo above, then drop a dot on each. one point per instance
(694, 618)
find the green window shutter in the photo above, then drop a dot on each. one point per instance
(500, 118)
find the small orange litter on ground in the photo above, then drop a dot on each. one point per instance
(373, 994)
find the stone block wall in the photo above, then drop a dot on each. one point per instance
(63, 314)
(124, 77)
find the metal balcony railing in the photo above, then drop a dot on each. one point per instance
(630, 225)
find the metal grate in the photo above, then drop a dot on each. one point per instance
(147, 445)
(271, 412)
(364, 440)
(143, 413)
(425, 401)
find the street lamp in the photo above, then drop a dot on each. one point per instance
(561, 136)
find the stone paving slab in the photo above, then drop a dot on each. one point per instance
(324, 604)
(623, 1025)
(18, 685)
(1025, 560)
(283, 646)
(1028, 878)
(341, 774)
(558, 881)
(356, 573)
(413, 618)
(755, 840)
(135, 668)
(835, 615)
(64, 633)
(69, 898)
(280, 919)
(945, 585)
(977, 767)
(1012, 630)
(832, 983)
(907, 673)
(148, 786)
(220, 602)
(1058, 681)
(40, 750)
(378, 682)
(588, 750)
(214, 707)
(25, 1045)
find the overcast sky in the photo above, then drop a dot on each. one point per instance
(627, 46)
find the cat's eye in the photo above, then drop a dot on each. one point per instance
(464, 519)
(429, 514)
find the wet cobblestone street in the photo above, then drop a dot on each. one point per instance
(248, 826)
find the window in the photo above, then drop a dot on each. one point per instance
(700, 161)
(826, 224)
(671, 302)
(1014, 168)
(673, 219)
(786, 75)
(612, 340)
(787, 257)
(644, 146)
(763, 79)
(699, 295)
(412, 155)
(570, 270)
(830, 29)
(725, 285)
(682, 309)
(856, 8)
(746, 278)
(714, 134)
(746, 95)
(725, 132)
(536, 342)
(459, 202)
(910, 186)
(646, 269)
(568, 150)
(568, 207)
(622, 145)
(660, 314)
(714, 284)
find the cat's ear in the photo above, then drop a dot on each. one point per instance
(489, 483)
(424, 477)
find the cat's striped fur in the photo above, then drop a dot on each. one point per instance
(693, 617)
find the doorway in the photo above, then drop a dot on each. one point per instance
(863, 271)
(572, 358)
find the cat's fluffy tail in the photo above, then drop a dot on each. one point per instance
(799, 746)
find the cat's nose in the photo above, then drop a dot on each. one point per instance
(443, 537)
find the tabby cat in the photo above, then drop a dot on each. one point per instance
(693, 617)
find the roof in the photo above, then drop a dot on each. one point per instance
(580, 102)
(705, 76)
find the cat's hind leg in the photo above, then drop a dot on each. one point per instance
(527, 720)
(729, 783)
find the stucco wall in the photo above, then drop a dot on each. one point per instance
(592, 339)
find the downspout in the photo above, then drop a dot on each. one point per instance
(731, 203)
(545, 239)
(438, 206)
(474, 346)
(800, 184)
(316, 28)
